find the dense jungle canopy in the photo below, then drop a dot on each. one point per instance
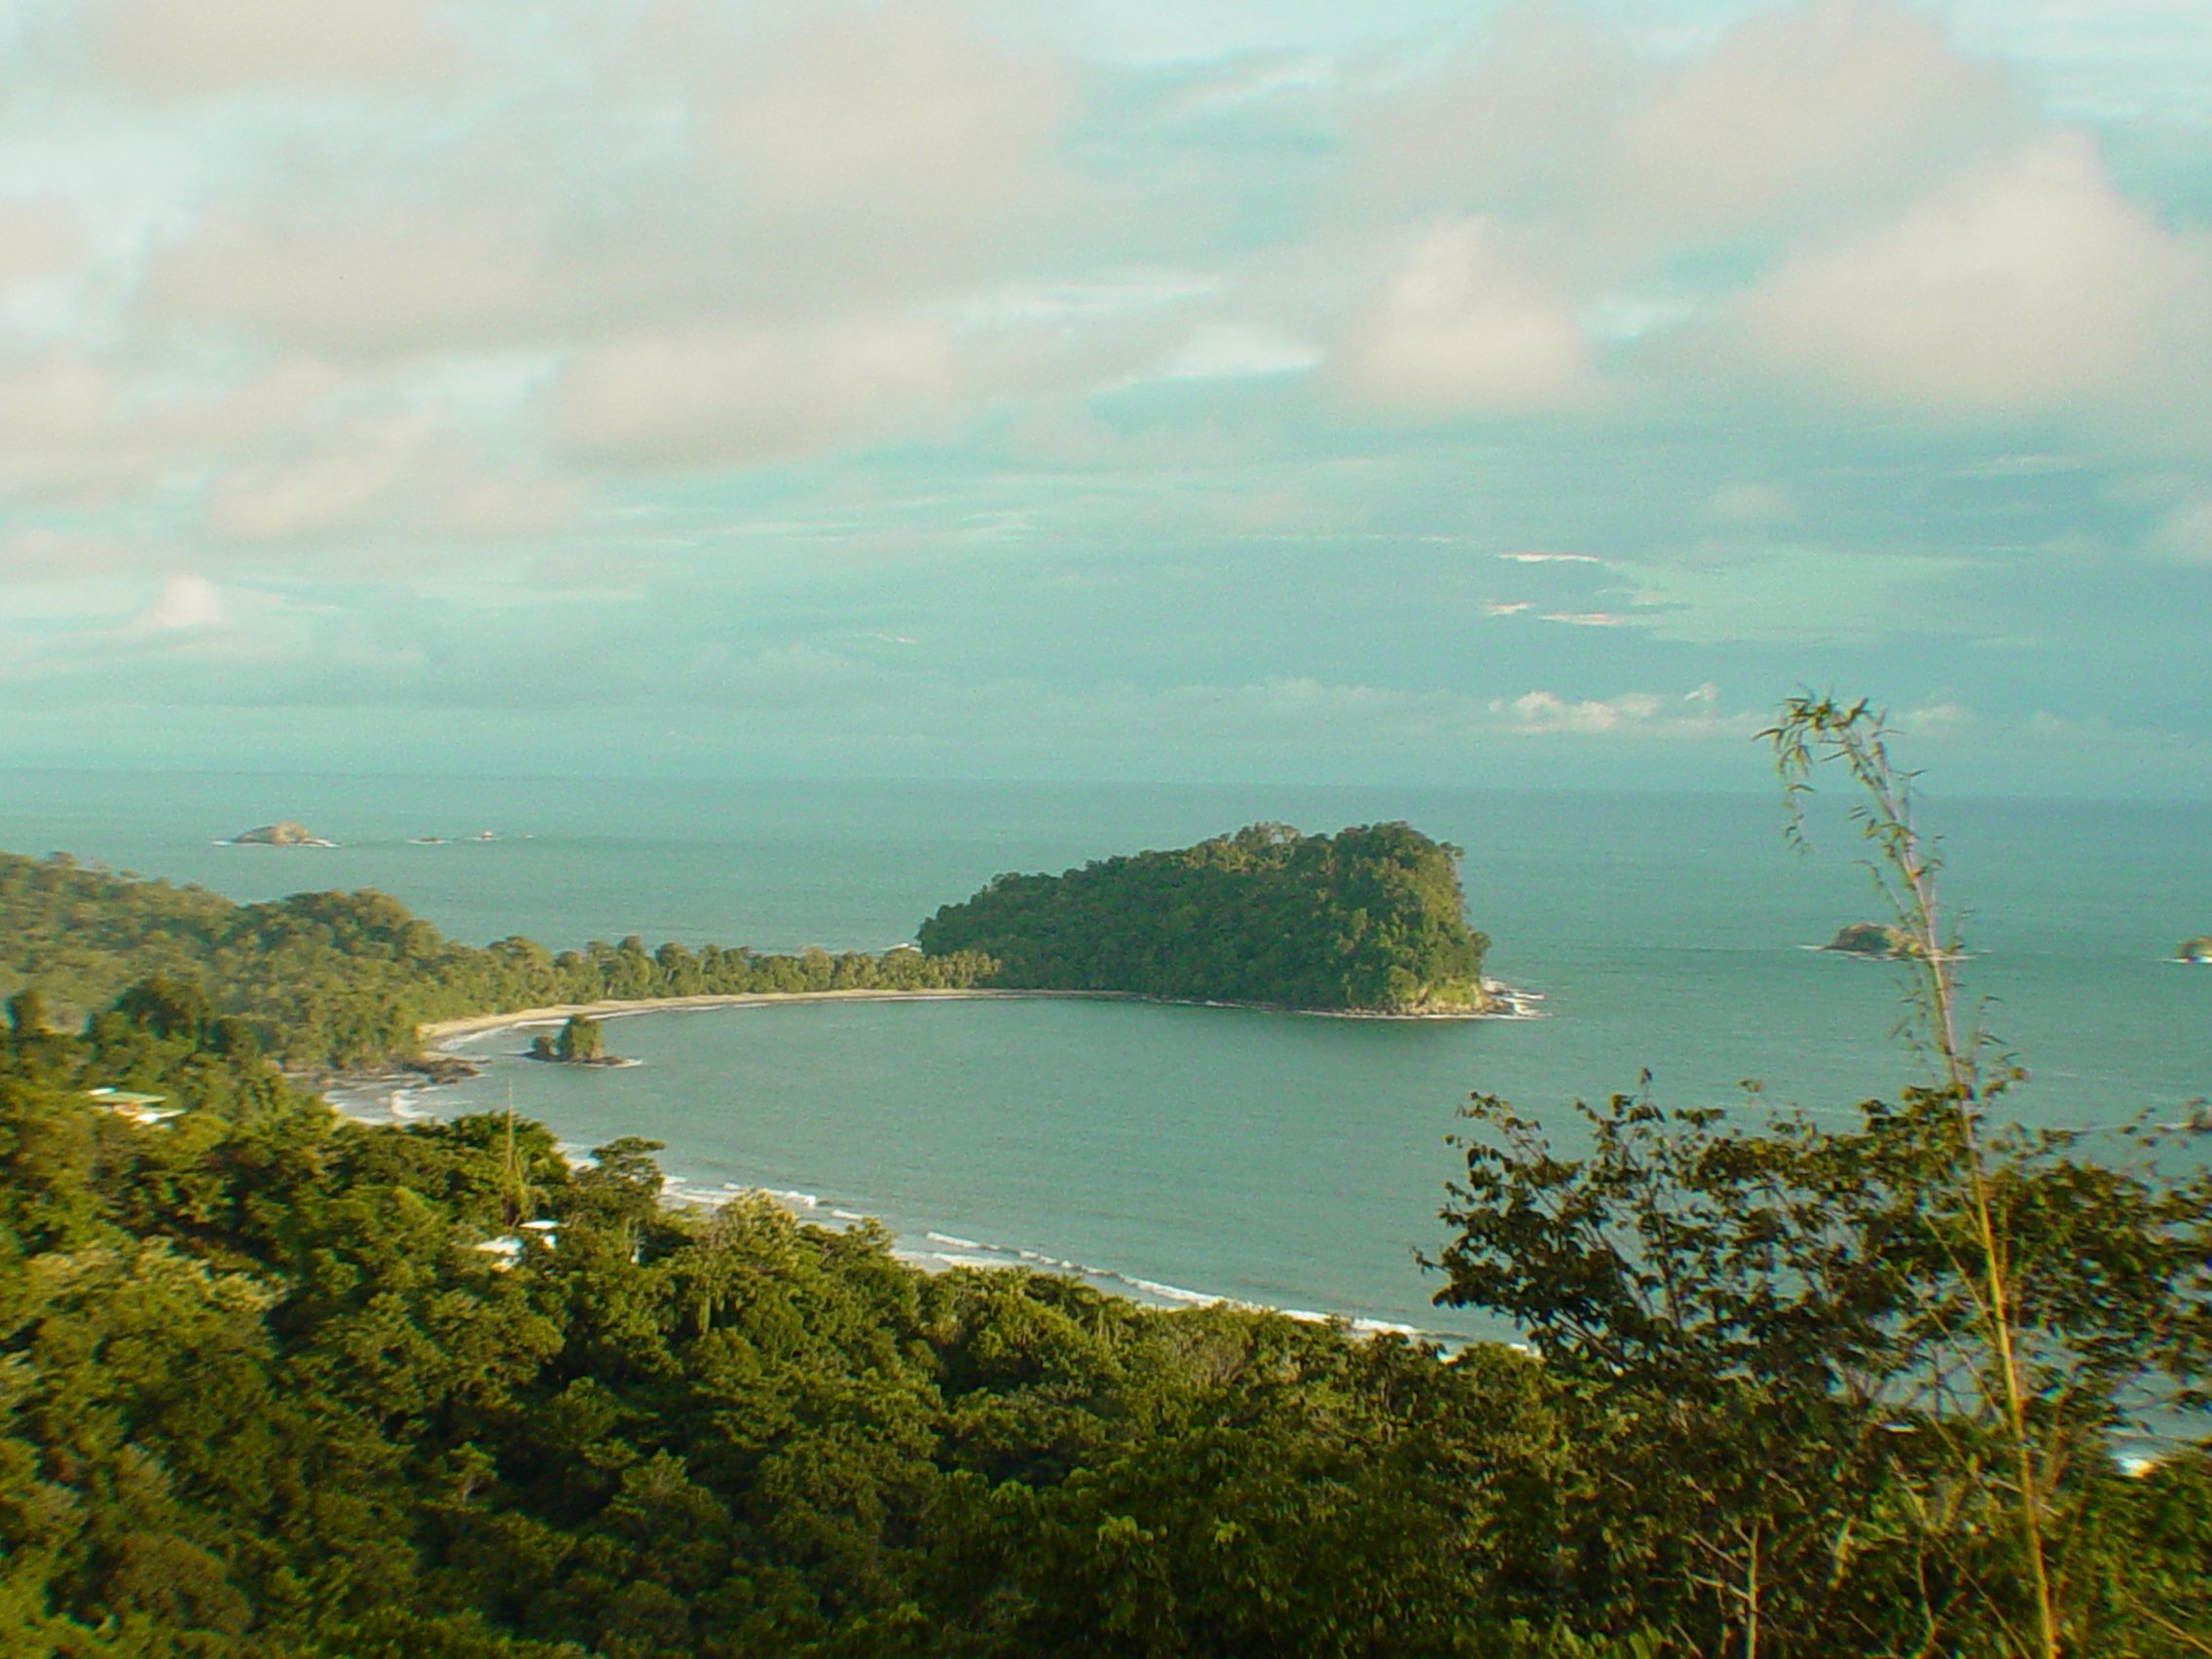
(1369, 919)
(264, 1394)
(274, 1384)
(341, 979)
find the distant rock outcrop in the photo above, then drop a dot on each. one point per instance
(1870, 938)
(2197, 949)
(443, 1069)
(284, 834)
(582, 1043)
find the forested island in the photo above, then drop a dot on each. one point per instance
(1371, 920)
(580, 1042)
(1878, 940)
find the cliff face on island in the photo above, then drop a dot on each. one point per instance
(1371, 920)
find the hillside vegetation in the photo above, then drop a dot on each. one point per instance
(266, 1397)
(1371, 919)
(275, 1385)
(341, 979)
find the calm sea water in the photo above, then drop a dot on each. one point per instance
(1289, 1160)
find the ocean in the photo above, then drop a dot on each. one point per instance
(1183, 1153)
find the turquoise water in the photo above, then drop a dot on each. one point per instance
(1290, 1161)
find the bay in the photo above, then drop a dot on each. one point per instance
(1285, 1159)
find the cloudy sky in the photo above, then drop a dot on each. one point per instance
(1318, 389)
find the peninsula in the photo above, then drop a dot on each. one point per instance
(328, 981)
(1370, 920)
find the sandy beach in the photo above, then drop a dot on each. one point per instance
(440, 1031)
(1513, 1005)
(371, 1094)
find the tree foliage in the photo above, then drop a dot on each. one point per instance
(275, 1386)
(1370, 919)
(262, 1393)
(340, 978)
(1868, 1390)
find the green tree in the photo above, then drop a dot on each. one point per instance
(1371, 918)
(582, 1041)
(26, 1013)
(1863, 1384)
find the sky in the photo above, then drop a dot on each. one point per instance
(1302, 391)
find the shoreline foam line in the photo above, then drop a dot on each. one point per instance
(395, 1100)
(1515, 1004)
(478, 1024)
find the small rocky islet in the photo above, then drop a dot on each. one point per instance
(582, 1043)
(287, 834)
(1876, 939)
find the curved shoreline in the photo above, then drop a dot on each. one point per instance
(377, 1099)
(434, 1032)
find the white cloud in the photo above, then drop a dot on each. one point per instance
(1641, 713)
(1947, 719)
(396, 276)
(1462, 325)
(726, 397)
(38, 238)
(2030, 285)
(711, 166)
(185, 603)
(307, 495)
(47, 556)
(1796, 112)
(1588, 618)
(1519, 123)
(904, 110)
(370, 478)
(64, 432)
(211, 47)
(1379, 715)
(1807, 109)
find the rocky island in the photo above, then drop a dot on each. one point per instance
(284, 834)
(582, 1043)
(1870, 938)
(1370, 920)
